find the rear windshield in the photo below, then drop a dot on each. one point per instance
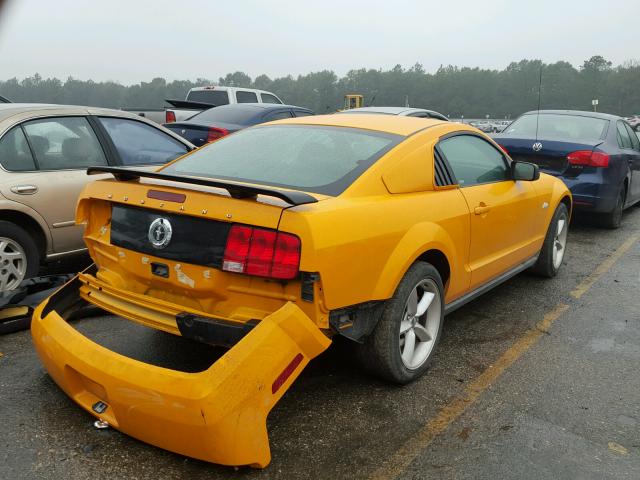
(562, 127)
(214, 97)
(239, 114)
(313, 158)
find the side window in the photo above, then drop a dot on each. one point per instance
(420, 115)
(302, 113)
(474, 160)
(15, 155)
(278, 116)
(624, 141)
(635, 142)
(268, 98)
(141, 144)
(64, 143)
(246, 97)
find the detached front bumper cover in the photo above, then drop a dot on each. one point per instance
(218, 415)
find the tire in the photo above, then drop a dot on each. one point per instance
(381, 352)
(613, 219)
(19, 257)
(555, 244)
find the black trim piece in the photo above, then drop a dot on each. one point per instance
(489, 285)
(212, 330)
(443, 174)
(189, 105)
(357, 321)
(67, 299)
(307, 287)
(109, 148)
(236, 190)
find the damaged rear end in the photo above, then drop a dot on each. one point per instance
(204, 261)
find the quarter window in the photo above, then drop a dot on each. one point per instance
(64, 143)
(473, 160)
(15, 155)
(141, 144)
(246, 97)
(268, 98)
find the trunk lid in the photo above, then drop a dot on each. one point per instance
(551, 157)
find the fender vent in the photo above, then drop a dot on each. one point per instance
(444, 175)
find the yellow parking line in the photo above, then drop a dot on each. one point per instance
(603, 267)
(398, 462)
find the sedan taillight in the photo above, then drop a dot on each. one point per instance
(216, 133)
(261, 252)
(588, 158)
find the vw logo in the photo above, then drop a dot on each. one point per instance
(537, 147)
(160, 233)
(183, 131)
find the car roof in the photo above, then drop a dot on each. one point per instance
(10, 109)
(387, 110)
(579, 113)
(399, 125)
(263, 106)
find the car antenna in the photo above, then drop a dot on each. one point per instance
(539, 99)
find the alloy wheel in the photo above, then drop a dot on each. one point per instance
(420, 324)
(13, 264)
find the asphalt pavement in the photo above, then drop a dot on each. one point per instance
(536, 379)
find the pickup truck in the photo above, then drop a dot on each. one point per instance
(203, 98)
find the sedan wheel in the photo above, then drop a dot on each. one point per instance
(19, 256)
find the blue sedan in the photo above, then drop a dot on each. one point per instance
(597, 155)
(217, 122)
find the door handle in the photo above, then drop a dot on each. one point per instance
(481, 209)
(24, 189)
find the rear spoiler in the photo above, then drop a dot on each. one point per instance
(236, 190)
(190, 105)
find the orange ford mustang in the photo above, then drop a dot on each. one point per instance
(278, 238)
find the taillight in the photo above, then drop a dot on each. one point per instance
(588, 158)
(216, 133)
(261, 252)
(169, 116)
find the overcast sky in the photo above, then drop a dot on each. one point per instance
(134, 40)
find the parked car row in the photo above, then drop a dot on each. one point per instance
(254, 242)
(276, 240)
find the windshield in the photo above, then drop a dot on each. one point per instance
(313, 158)
(241, 115)
(561, 127)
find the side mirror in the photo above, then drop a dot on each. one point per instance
(525, 171)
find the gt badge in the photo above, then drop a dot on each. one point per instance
(160, 232)
(537, 147)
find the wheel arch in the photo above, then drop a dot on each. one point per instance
(31, 225)
(439, 250)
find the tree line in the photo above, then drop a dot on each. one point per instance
(452, 90)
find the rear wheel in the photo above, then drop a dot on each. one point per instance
(19, 258)
(613, 219)
(402, 344)
(555, 244)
